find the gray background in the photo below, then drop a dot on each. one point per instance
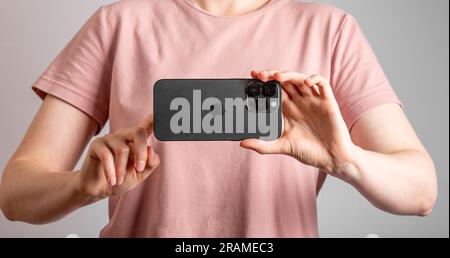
(410, 37)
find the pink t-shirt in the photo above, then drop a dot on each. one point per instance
(212, 189)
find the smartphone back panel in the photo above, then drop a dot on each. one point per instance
(216, 110)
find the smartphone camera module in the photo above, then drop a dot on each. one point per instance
(260, 97)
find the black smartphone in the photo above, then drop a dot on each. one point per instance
(217, 110)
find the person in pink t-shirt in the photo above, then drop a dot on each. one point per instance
(341, 118)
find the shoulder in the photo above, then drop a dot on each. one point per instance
(318, 9)
(317, 12)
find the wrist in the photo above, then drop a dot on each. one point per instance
(83, 192)
(345, 166)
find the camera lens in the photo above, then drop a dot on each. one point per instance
(254, 90)
(270, 89)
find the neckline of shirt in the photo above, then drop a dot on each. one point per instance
(272, 3)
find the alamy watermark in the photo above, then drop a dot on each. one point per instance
(229, 115)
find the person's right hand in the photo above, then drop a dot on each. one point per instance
(118, 162)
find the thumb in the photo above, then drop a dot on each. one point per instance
(262, 147)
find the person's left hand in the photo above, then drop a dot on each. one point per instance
(314, 131)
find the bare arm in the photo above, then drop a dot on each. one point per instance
(382, 158)
(35, 187)
(391, 168)
(38, 184)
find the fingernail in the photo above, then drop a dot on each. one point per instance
(120, 180)
(112, 181)
(140, 166)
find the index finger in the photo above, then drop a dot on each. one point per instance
(148, 124)
(292, 77)
(264, 76)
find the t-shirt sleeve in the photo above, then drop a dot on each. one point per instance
(80, 74)
(358, 80)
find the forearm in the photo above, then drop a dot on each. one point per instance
(401, 183)
(31, 194)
